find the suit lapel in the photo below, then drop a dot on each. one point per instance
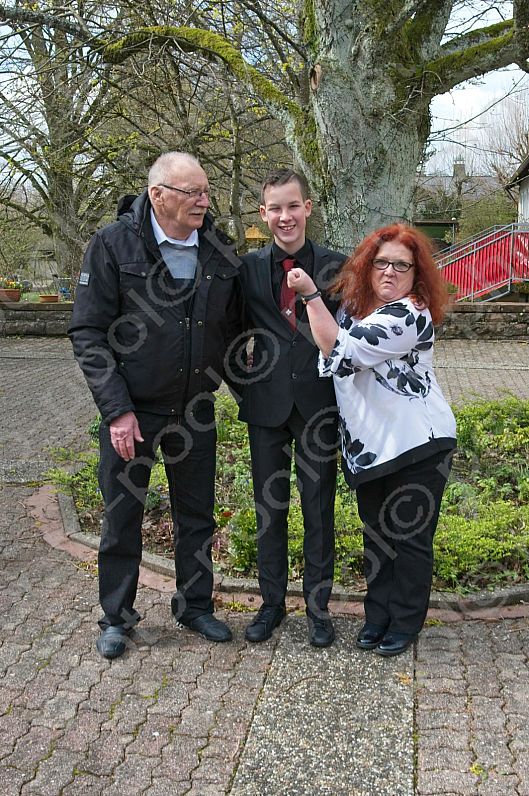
(322, 266)
(319, 259)
(264, 275)
(264, 259)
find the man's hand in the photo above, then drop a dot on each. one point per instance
(301, 282)
(124, 431)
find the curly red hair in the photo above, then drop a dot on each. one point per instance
(354, 281)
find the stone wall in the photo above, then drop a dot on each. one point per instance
(490, 321)
(28, 318)
(486, 321)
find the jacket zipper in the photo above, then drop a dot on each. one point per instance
(187, 360)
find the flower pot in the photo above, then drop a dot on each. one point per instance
(48, 298)
(9, 294)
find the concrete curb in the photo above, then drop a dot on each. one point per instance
(515, 595)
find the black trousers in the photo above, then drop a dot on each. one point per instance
(188, 448)
(315, 462)
(400, 513)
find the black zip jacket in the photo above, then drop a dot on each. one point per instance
(140, 344)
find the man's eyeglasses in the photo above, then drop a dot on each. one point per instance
(398, 265)
(194, 193)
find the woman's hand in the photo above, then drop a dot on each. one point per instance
(301, 282)
(322, 325)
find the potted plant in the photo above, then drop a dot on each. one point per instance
(10, 289)
(48, 296)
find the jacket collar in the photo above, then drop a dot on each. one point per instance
(134, 212)
(319, 252)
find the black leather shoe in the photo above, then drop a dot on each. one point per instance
(370, 636)
(268, 617)
(394, 644)
(321, 632)
(208, 626)
(113, 641)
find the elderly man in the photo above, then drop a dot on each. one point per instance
(156, 307)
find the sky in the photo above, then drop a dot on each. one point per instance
(468, 103)
(471, 99)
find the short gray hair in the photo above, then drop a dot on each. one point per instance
(159, 171)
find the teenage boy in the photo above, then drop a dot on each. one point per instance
(284, 401)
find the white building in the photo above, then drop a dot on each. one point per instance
(520, 180)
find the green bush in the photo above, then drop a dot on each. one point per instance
(492, 547)
(242, 547)
(93, 429)
(482, 539)
(348, 542)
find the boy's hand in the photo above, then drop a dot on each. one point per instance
(301, 282)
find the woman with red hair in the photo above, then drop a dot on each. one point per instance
(398, 432)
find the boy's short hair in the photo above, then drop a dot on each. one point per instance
(281, 177)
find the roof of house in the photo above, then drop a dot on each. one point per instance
(521, 172)
(472, 186)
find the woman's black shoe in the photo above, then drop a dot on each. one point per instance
(369, 636)
(394, 644)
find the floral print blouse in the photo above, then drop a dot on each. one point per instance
(391, 409)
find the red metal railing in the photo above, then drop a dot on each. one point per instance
(488, 265)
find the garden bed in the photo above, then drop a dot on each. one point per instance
(482, 541)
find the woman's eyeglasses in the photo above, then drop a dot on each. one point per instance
(398, 265)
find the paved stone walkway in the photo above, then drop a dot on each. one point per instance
(177, 715)
(45, 398)
(170, 717)
(470, 369)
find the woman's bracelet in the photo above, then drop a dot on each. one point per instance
(306, 299)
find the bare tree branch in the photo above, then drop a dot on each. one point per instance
(471, 60)
(210, 45)
(25, 16)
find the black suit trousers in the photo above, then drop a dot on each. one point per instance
(315, 463)
(400, 513)
(188, 448)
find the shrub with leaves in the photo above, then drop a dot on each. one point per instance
(483, 535)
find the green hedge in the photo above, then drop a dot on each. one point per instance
(483, 535)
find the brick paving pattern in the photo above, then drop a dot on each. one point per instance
(470, 369)
(172, 716)
(44, 395)
(472, 709)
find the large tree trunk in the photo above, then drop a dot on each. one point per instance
(64, 223)
(374, 68)
(365, 132)
(366, 155)
(367, 158)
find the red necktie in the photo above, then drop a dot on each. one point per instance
(287, 299)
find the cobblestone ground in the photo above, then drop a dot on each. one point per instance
(470, 369)
(44, 395)
(472, 709)
(170, 717)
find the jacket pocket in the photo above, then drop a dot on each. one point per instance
(134, 286)
(222, 286)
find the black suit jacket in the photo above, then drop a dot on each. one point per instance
(284, 372)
